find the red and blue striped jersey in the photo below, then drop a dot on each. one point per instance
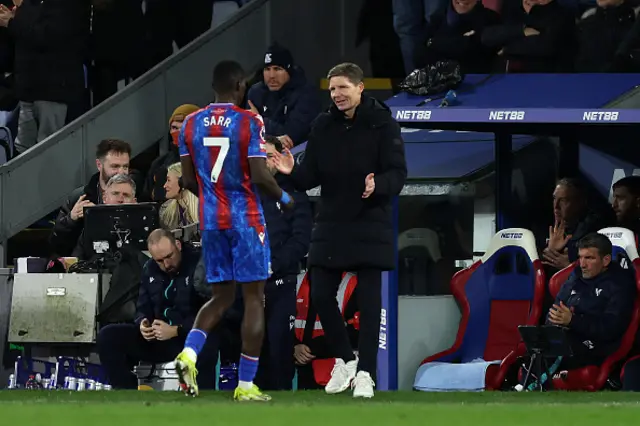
(220, 139)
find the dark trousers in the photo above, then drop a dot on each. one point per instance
(324, 287)
(631, 376)
(306, 378)
(170, 21)
(276, 368)
(121, 347)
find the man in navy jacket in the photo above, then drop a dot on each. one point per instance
(166, 308)
(595, 303)
(285, 100)
(289, 236)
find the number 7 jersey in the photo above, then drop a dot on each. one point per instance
(220, 139)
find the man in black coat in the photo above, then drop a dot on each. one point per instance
(356, 154)
(51, 46)
(536, 36)
(455, 33)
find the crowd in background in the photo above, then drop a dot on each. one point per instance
(87, 48)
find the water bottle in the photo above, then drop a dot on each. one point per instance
(72, 383)
(98, 386)
(81, 384)
(12, 381)
(106, 387)
(46, 383)
(91, 384)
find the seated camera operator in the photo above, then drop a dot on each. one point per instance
(120, 189)
(166, 308)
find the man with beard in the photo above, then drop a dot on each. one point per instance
(112, 158)
(166, 308)
(626, 203)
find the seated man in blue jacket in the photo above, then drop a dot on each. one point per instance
(285, 100)
(289, 238)
(595, 304)
(167, 306)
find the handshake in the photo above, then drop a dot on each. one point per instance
(158, 330)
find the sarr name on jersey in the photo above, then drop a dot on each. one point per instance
(216, 121)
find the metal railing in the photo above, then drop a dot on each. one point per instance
(38, 181)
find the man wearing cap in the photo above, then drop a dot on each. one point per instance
(285, 100)
(154, 186)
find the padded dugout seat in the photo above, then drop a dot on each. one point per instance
(496, 294)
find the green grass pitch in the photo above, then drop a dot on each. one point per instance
(119, 408)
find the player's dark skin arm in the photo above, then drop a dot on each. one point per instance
(261, 176)
(189, 180)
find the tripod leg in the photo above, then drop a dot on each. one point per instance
(526, 378)
(541, 378)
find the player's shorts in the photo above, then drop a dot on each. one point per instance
(241, 254)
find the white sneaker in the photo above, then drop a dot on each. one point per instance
(363, 385)
(341, 376)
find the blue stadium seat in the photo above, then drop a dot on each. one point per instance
(496, 294)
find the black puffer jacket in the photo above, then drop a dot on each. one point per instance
(51, 46)
(352, 232)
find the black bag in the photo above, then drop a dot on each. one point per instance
(434, 79)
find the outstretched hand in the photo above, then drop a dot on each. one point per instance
(284, 162)
(557, 238)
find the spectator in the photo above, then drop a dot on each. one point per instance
(456, 33)
(311, 352)
(169, 22)
(573, 220)
(51, 41)
(536, 37)
(595, 304)
(118, 45)
(287, 103)
(600, 37)
(8, 101)
(112, 158)
(409, 19)
(181, 207)
(289, 237)
(154, 185)
(359, 170)
(626, 203)
(121, 189)
(167, 306)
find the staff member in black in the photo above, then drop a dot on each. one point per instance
(356, 154)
